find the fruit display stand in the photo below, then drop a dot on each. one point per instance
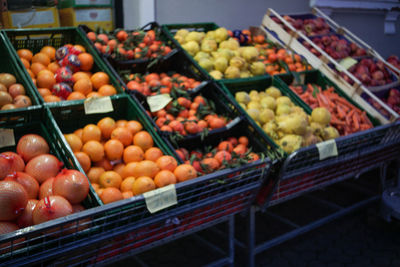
(10, 66)
(137, 58)
(324, 62)
(127, 226)
(303, 171)
(38, 242)
(35, 39)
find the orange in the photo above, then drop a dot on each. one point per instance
(45, 71)
(107, 90)
(143, 139)
(83, 86)
(146, 168)
(94, 149)
(121, 123)
(104, 163)
(167, 163)
(122, 134)
(80, 48)
(225, 145)
(99, 79)
(210, 164)
(44, 92)
(153, 153)
(91, 132)
(133, 154)
(106, 125)
(94, 174)
(41, 58)
(74, 142)
(49, 51)
(119, 168)
(76, 96)
(164, 178)
(134, 126)
(185, 172)
(53, 67)
(84, 160)
(37, 67)
(111, 194)
(127, 194)
(86, 61)
(31, 73)
(95, 186)
(26, 63)
(80, 75)
(127, 184)
(128, 170)
(51, 98)
(142, 184)
(25, 53)
(93, 94)
(110, 179)
(243, 140)
(45, 80)
(240, 149)
(78, 132)
(100, 190)
(113, 149)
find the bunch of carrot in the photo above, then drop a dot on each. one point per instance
(345, 117)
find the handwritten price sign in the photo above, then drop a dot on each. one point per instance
(7, 137)
(161, 198)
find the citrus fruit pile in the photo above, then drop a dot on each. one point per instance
(12, 94)
(65, 73)
(189, 116)
(33, 187)
(135, 44)
(154, 83)
(121, 161)
(229, 153)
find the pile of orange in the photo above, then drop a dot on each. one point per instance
(43, 66)
(121, 161)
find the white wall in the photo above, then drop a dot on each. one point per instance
(239, 14)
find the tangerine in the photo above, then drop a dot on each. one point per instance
(53, 67)
(243, 140)
(110, 179)
(134, 126)
(185, 172)
(91, 132)
(94, 174)
(127, 184)
(76, 96)
(45, 80)
(41, 58)
(119, 168)
(133, 154)
(167, 163)
(104, 163)
(86, 60)
(74, 142)
(25, 53)
(79, 75)
(51, 98)
(223, 156)
(94, 149)
(99, 79)
(127, 194)
(128, 170)
(84, 160)
(113, 149)
(107, 90)
(164, 178)
(26, 63)
(83, 86)
(106, 125)
(143, 139)
(121, 123)
(110, 194)
(93, 94)
(44, 91)
(143, 184)
(37, 67)
(146, 168)
(122, 134)
(78, 132)
(153, 153)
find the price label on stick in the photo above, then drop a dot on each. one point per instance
(7, 137)
(160, 198)
(94, 105)
(158, 102)
(348, 62)
(327, 149)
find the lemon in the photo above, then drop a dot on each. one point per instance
(254, 114)
(284, 100)
(266, 115)
(273, 91)
(253, 105)
(268, 102)
(242, 97)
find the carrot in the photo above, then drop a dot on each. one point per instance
(341, 112)
(356, 120)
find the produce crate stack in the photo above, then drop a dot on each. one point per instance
(94, 14)
(352, 64)
(23, 14)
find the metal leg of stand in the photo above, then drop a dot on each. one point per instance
(251, 229)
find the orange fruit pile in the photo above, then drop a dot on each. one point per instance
(65, 73)
(121, 161)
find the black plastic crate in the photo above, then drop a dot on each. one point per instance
(37, 239)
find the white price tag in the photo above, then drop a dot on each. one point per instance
(348, 62)
(158, 102)
(161, 198)
(98, 105)
(7, 137)
(327, 149)
(233, 123)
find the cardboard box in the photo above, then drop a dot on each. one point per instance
(84, 3)
(31, 18)
(92, 17)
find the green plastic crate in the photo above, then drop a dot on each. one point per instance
(316, 77)
(85, 3)
(35, 39)
(69, 118)
(10, 65)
